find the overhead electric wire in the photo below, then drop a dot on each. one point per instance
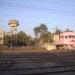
(26, 6)
(34, 6)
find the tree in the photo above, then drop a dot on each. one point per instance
(47, 38)
(40, 31)
(7, 40)
(29, 41)
(43, 28)
(36, 31)
(21, 38)
(36, 41)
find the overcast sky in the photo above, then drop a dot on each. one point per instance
(31, 13)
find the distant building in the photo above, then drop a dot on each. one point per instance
(56, 37)
(66, 40)
(1, 35)
(56, 34)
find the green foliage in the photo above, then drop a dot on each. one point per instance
(7, 40)
(43, 28)
(47, 38)
(40, 29)
(20, 40)
(41, 32)
(36, 41)
(36, 30)
(23, 39)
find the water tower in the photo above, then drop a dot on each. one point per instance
(13, 30)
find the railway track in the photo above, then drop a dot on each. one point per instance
(36, 63)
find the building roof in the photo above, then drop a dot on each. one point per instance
(67, 33)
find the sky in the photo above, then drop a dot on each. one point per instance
(31, 13)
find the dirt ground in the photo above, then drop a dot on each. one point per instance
(28, 49)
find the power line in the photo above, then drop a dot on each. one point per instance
(65, 2)
(26, 6)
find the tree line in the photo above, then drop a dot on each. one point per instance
(42, 35)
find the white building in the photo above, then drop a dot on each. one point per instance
(1, 35)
